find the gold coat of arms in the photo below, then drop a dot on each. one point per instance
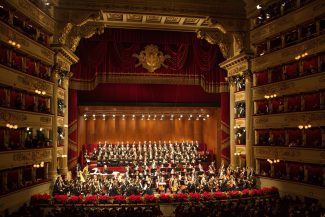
(151, 58)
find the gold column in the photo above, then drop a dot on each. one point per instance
(46, 170)
(64, 160)
(232, 123)
(53, 169)
(257, 166)
(249, 121)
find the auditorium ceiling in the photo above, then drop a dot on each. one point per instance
(177, 15)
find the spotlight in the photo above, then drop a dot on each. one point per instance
(258, 7)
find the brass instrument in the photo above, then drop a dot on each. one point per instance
(82, 179)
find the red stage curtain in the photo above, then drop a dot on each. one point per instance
(261, 78)
(73, 149)
(111, 53)
(148, 93)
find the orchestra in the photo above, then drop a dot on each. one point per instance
(185, 179)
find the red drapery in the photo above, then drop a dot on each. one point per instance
(30, 66)
(294, 103)
(310, 65)
(148, 93)
(13, 97)
(261, 78)
(311, 101)
(292, 70)
(2, 97)
(262, 106)
(17, 60)
(313, 137)
(3, 54)
(112, 53)
(295, 135)
(276, 74)
(29, 101)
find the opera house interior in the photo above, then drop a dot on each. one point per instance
(173, 108)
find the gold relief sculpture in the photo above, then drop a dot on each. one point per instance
(72, 33)
(239, 38)
(216, 37)
(151, 58)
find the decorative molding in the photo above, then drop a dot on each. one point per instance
(151, 58)
(241, 122)
(305, 155)
(28, 46)
(10, 159)
(25, 118)
(144, 78)
(35, 14)
(24, 81)
(290, 87)
(237, 65)
(240, 96)
(60, 93)
(288, 54)
(64, 57)
(289, 120)
(60, 121)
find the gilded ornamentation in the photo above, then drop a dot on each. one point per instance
(239, 38)
(231, 80)
(216, 37)
(151, 58)
(72, 33)
(12, 117)
(213, 23)
(248, 75)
